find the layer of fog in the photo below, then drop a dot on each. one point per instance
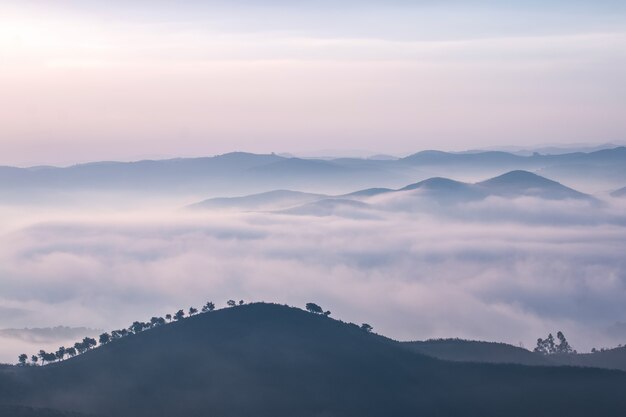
(506, 270)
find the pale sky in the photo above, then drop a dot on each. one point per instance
(91, 80)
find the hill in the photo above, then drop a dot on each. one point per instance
(610, 359)
(21, 411)
(510, 185)
(272, 360)
(270, 200)
(619, 193)
(518, 183)
(476, 351)
(491, 352)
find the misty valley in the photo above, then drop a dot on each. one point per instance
(457, 284)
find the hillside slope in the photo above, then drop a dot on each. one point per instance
(492, 352)
(271, 360)
(475, 351)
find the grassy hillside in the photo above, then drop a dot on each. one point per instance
(271, 360)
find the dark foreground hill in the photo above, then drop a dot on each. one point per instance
(270, 360)
(21, 411)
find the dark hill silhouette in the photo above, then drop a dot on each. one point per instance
(272, 360)
(21, 411)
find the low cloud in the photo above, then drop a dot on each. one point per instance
(411, 274)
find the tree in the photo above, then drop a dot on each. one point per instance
(50, 357)
(168, 317)
(541, 347)
(60, 353)
(550, 346)
(34, 359)
(43, 356)
(136, 327)
(180, 314)
(231, 303)
(241, 302)
(192, 311)
(157, 321)
(89, 342)
(22, 359)
(104, 338)
(80, 347)
(563, 346)
(71, 351)
(327, 313)
(208, 307)
(367, 327)
(314, 308)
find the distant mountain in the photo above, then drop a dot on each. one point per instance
(368, 192)
(271, 200)
(270, 360)
(518, 183)
(619, 193)
(326, 207)
(491, 158)
(443, 190)
(239, 172)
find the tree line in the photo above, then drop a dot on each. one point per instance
(548, 346)
(136, 327)
(88, 343)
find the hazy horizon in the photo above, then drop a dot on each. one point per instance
(148, 79)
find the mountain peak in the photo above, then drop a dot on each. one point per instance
(527, 183)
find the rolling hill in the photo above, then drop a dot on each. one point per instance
(271, 360)
(477, 351)
(443, 190)
(270, 200)
(524, 183)
(492, 352)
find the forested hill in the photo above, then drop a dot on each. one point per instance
(271, 360)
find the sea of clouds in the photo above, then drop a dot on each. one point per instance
(501, 270)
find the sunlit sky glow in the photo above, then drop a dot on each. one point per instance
(93, 80)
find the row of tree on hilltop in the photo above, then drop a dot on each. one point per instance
(89, 343)
(136, 327)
